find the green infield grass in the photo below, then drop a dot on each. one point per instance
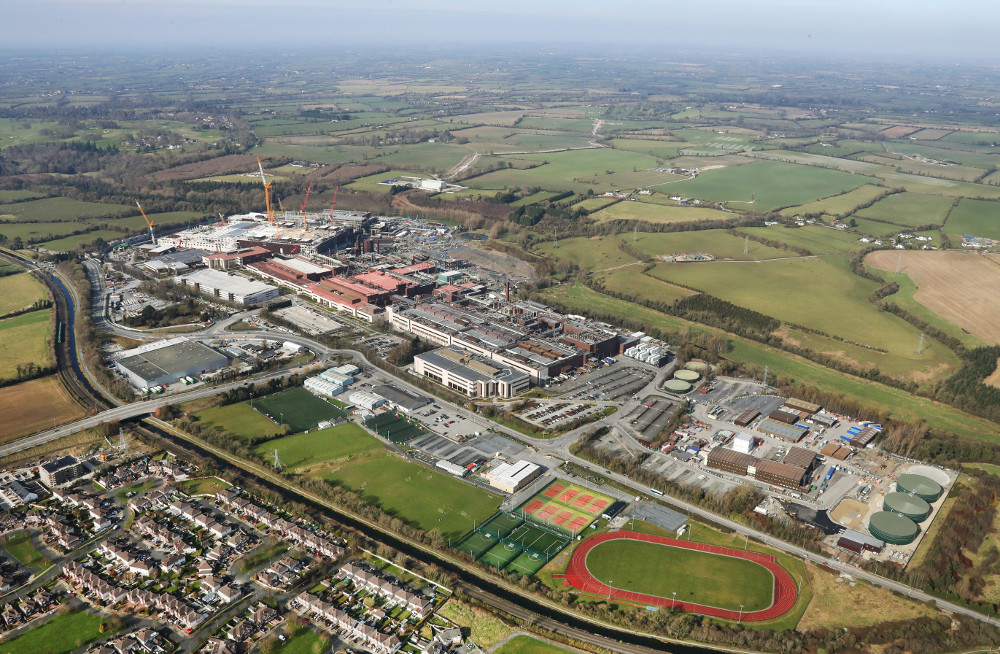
(308, 449)
(20, 291)
(60, 635)
(426, 498)
(661, 570)
(239, 420)
(298, 408)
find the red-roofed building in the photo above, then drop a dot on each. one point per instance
(424, 267)
(223, 261)
(356, 290)
(449, 292)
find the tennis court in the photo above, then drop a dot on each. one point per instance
(564, 506)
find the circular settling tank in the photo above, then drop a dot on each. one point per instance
(677, 386)
(910, 506)
(687, 375)
(923, 487)
(893, 528)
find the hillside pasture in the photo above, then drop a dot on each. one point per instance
(53, 209)
(713, 241)
(838, 205)
(978, 217)
(773, 184)
(816, 239)
(24, 339)
(77, 241)
(659, 213)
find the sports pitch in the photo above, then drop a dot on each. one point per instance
(509, 542)
(395, 427)
(565, 507)
(297, 408)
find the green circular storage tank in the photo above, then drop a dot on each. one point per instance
(677, 386)
(893, 528)
(687, 376)
(912, 506)
(923, 487)
(697, 366)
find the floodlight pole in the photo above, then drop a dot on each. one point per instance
(610, 581)
(674, 602)
(741, 615)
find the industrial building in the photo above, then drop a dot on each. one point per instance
(784, 416)
(452, 468)
(859, 542)
(328, 383)
(835, 451)
(744, 443)
(795, 405)
(746, 417)
(470, 374)
(863, 438)
(801, 458)
(365, 400)
(780, 474)
(512, 477)
(230, 288)
(165, 362)
(738, 463)
(402, 400)
(781, 430)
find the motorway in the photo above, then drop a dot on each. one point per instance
(556, 447)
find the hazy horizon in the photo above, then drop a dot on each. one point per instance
(919, 30)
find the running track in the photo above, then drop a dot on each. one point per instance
(580, 578)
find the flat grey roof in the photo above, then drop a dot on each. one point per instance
(171, 360)
(400, 397)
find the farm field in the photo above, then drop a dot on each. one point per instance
(712, 241)
(818, 240)
(977, 217)
(909, 209)
(819, 294)
(19, 292)
(239, 420)
(776, 184)
(699, 577)
(373, 183)
(17, 196)
(631, 281)
(25, 339)
(576, 170)
(838, 205)
(61, 209)
(305, 450)
(19, 407)
(593, 253)
(297, 408)
(431, 500)
(580, 299)
(659, 213)
(39, 231)
(947, 280)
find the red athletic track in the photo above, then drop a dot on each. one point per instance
(580, 578)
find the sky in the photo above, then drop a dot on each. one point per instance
(927, 30)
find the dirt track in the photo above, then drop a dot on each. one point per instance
(958, 286)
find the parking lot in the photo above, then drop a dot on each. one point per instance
(309, 320)
(382, 344)
(554, 415)
(616, 382)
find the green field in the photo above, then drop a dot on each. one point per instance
(630, 281)
(70, 243)
(373, 183)
(305, 641)
(821, 294)
(40, 231)
(20, 291)
(239, 420)
(203, 485)
(659, 213)
(297, 408)
(575, 170)
(838, 205)
(776, 184)
(21, 548)
(977, 217)
(303, 450)
(17, 196)
(909, 209)
(700, 577)
(60, 635)
(428, 499)
(25, 339)
(580, 299)
(61, 209)
(529, 645)
(816, 239)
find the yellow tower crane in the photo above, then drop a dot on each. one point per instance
(149, 222)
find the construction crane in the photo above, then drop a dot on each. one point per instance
(267, 192)
(336, 188)
(149, 222)
(303, 205)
